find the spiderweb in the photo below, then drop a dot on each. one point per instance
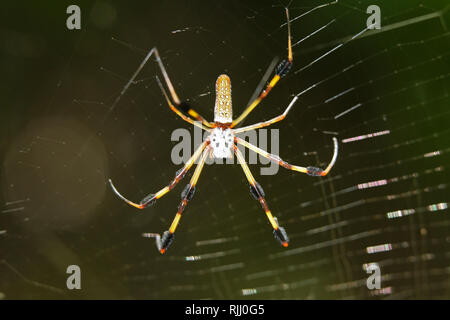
(382, 93)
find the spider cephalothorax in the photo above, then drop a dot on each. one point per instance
(222, 143)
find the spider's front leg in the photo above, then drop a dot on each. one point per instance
(258, 193)
(162, 243)
(281, 71)
(178, 107)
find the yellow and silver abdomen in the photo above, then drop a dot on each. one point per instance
(223, 112)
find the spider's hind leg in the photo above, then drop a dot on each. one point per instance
(281, 235)
(163, 242)
(258, 193)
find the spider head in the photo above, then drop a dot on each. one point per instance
(223, 112)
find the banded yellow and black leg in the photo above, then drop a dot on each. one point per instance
(282, 70)
(151, 198)
(199, 120)
(162, 243)
(312, 171)
(176, 100)
(268, 122)
(258, 193)
(178, 104)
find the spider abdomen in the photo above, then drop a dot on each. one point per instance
(223, 112)
(221, 142)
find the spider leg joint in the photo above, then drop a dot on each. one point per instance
(165, 241)
(281, 235)
(276, 158)
(177, 174)
(188, 192)
(184, 106)
(257, 191)
(148, 200)
(283, 68)
(314, 171)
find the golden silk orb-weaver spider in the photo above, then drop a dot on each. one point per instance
(221, 143)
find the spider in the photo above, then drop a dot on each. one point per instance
(221, 143)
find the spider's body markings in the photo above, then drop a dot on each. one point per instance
(223, 111)
(222, 137)
(221, 143)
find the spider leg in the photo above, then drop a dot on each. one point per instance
(184, 106)
(151, 198)
(268, 122)
(282, 69)
(164, 241)
(178, 112)
(258, 193)
(312, 171)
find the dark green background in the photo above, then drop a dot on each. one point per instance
(59, 146)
